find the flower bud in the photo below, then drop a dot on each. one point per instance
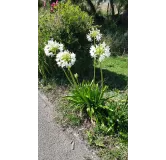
(76, 75)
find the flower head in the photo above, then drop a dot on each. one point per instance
(53, 4)
(100, 51)
(65, 59)
(52, 47)
(94, 34)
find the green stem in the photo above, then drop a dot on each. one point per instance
(94, 72)
(72, 77)
(67, 77)
(94, 76)
(101, 72)
(77, 80)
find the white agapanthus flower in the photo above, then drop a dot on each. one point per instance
(94, 34)
(65, 59)
(52, 47)
(100, 51)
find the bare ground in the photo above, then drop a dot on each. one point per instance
(55, 143)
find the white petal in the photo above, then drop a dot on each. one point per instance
(101, 58)
(89, 38)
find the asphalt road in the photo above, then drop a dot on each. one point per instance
(53, 142)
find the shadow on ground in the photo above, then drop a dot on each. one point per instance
(111, 79)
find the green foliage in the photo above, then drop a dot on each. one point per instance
(121, 5)
(109, 147)
(117, 38)
(110, 114)
(119, 43)
(112, 118)
(76, 24)
(68, 24)
(114, 151)
(115, 28)
(88, 98)
(118, 116)
(115, 122)
(46, 66)
(111, 137)
(73, 119)
(90, 137)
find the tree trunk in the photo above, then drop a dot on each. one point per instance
(112, 8)
(107, 9)
(91, 6)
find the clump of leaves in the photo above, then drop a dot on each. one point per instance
(88, 98)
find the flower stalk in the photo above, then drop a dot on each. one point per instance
(101, 73)
(94, 72)
(71, 74)
(67, 77)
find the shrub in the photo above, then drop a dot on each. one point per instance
(116, 37)
(68, 24)
(46, 25)
(119, 43)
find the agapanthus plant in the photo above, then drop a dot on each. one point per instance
(52, 47)
(93, 35)
(88, 95)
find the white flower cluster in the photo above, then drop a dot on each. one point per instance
(100, 51)
(52, 47)
(94, 34)
(65, 59)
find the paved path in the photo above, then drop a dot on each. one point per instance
(54, 143)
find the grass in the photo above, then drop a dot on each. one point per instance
(115, 71)
(117, 64)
